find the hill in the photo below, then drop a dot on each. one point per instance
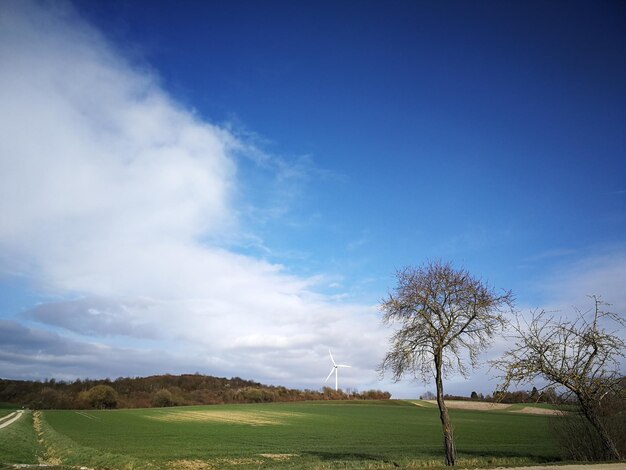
(160, 390)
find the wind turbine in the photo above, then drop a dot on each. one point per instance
(334, 369)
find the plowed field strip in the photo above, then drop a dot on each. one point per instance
(235, 417)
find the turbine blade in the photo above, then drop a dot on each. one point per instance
(342, 365)
(331, 373)
(331, 358)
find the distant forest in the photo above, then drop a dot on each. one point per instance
(159, 391)
(520, 396)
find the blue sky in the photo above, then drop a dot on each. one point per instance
(228, 187)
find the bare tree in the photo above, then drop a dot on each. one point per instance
(447, 317)
(578, 354)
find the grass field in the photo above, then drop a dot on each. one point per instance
(385, 434)
(6, 409)
(18, 441)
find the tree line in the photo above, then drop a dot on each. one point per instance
(161, 390)
(548, 395)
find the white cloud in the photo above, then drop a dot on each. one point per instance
(91, 143)
(601, 273)
(112, 198)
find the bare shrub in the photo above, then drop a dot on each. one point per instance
(579, 440)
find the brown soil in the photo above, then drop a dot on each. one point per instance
(531, 410)
(482, 406)
(278, 456)
(190, 465)
(253, 418)
(473, 405)
(185, 464)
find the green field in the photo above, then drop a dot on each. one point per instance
(387, 434)
(18, 441)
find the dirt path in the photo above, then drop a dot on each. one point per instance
(10, 419)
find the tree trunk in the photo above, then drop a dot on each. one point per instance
(448, 439)
(609, 446)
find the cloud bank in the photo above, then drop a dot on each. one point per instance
(114, 200)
